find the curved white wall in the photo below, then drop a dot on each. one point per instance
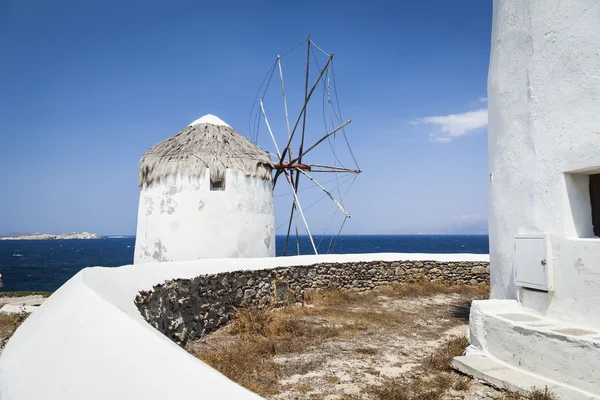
(89, 340)
(181, 219)
(544, 121)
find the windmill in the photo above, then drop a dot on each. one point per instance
(297, 144)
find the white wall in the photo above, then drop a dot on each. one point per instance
(182, 219)
(89, 340)
(544, 121)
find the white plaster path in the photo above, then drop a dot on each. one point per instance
(89, 341)
(16, 305)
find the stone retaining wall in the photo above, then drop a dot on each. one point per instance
(185, 309)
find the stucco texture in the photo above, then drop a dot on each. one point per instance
(180, 218)
(544, 97)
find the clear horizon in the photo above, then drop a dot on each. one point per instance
(4, 234)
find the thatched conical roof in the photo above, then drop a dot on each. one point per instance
(207, 142)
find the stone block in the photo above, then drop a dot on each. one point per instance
(478, 270)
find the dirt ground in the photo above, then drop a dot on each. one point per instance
(394, 342)
(10, 322)
(8, 325)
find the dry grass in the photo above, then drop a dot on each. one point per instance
(442, 358)
(9, 324)
(281, 324)
(512, 396)
(335, 297)
(247, 362)
(251, 321)
(261, 335)
(461, 383)
(370, 351)
(541, 394)
(257, 349)
(534, 394)
(403, 389)
(431, 381)
(403, 290)
(331, 379)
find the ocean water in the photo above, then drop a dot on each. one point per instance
(43, 265)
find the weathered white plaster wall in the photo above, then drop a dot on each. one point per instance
(544, 121)
(89, 341)
(180, 218)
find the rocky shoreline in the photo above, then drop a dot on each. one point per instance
(51, 236)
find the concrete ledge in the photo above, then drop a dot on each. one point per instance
(520, 339)
(505, 377)
(89, 341)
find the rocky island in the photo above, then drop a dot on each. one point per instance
(52, 236)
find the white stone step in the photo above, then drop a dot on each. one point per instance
(552, 350)
(509, 378)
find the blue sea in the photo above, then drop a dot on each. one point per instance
(44, 265)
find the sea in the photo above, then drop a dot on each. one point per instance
(44, 265)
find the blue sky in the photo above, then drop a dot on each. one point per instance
(87, 87)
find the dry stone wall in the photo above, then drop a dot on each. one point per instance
(184, 309)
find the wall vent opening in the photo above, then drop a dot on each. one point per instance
(218, 184)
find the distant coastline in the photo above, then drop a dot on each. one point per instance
(51, 236)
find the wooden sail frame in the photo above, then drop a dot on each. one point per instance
(292, 167)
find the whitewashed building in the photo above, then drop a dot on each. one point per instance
(205, 193)
(542, 324)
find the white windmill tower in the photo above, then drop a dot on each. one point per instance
(208, 192)
(205, 193)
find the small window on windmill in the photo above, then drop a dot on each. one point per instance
(595, 202)
(217, 184)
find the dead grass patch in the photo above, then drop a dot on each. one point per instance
(533, 394)
(441, 360)
(411, 290)
(420, 386)
(461, 383)
(261, 335)
(512, 396)
(402, 389)
(301, 387)
(369, 351)
(250, 321)
(331, 379)
(247, 362)
(282, 323)
(541, 394)
(9, 324)
(260, 349)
